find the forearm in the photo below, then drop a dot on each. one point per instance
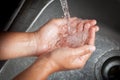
(40, 70)
(16, 44)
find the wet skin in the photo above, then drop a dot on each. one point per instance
(55, 46)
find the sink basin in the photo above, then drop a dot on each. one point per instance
(9, 12)
(35, 13)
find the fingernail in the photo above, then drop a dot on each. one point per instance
(92, 48)
(94, 22)
(97, 28)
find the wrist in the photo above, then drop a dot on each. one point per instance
(44, 67)
(32, 43)
(39, 70)
(48, 64)
(41, 46)
(37, 42)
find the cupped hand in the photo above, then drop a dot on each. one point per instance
(66, 58)
(70, 58)
(48, 37)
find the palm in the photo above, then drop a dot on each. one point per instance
(55, 34)
(49, 36)
(71, 58)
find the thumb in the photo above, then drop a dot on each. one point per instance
(84, 50)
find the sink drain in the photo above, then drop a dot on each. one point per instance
(111, 69)
(108, 66)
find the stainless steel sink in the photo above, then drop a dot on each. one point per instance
(9, 12)
(35, 13)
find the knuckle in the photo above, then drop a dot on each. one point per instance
(88, 51)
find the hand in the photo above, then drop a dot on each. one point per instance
(69, 58)
(49, 35)
(64, 58)
(60, 59)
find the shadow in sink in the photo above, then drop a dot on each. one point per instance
(2, 63)
(7, 8)
(107, 40)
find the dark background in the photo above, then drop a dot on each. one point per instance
(7, 8)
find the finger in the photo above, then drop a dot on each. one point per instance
(75, 22)
(87, 24)
(91, 38)
(72, 19)
(83, 50)
(80, 26)
(91, 22)
(83, 59)
(80, 61)
(59, 21)
(86, 27)
(97, 28)
(74, 25)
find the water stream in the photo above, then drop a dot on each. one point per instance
(66, 12)
(76, 39)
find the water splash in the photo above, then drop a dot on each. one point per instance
(66, 12)
(77, 39)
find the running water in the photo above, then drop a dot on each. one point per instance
(66, 12)
(73, 40)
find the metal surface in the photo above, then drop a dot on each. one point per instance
(9, 12)
(107, 40)
(15, 13)
(113, 54)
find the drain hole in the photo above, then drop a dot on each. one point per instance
(114, 73)
(111, 69)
